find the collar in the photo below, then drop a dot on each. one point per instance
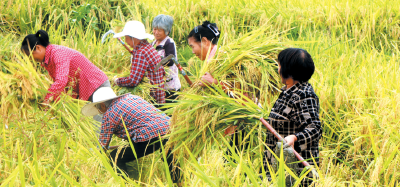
(212, 53)
(163, 42)
(292, 89)
(47, 55)
(140, 44)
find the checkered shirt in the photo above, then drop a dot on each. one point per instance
(144, 59)
(70, 69)
(296, 112)
(142, 120)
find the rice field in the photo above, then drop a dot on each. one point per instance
(354, 44)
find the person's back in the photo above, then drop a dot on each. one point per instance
(142, 120)
(69, 68)
(78, 61)
(82, 74)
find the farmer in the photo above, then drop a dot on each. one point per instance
(144, 59)
(69, 68)
(143, 121)
(203, 40)
(165, 46)
(295, 114)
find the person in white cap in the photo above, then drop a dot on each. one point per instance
(145, 125)
(144, 59)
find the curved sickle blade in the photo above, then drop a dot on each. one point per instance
(106, 34)
(163, 61)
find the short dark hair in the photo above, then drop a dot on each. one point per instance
(31, 40)
(296, 63)
(208, 30)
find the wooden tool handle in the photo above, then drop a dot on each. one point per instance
(183, 72)
(273, 131)
(126, 47)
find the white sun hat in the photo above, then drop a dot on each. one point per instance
(101, 95)
(134, 29)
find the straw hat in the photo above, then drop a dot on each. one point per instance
(101, 95)
(134, 29)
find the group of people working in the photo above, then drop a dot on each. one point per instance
(295, 114)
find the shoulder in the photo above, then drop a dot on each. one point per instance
(305, 92)
(59, 48)
(169, 42)
(145, 49)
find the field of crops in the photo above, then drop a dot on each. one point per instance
(354, 44)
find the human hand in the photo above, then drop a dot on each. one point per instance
(207, 79)
(45, 105)
(230, 130)
(115, 78)
(290, 141)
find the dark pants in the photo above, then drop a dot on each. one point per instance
(170, 96)
(142, 149)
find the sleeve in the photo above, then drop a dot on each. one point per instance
(170, 50)
(138, 69)
(308, 116)
(110, 121)
(62, 63)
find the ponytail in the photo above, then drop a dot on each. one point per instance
(31, 40)
(208, 30)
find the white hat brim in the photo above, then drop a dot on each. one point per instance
(138, 36)
(90, 108)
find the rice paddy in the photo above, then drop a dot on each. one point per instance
(354, 44)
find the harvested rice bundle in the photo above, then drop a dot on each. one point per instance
(20, 85)
(248, 66)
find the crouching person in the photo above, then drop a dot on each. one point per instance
(144, 122)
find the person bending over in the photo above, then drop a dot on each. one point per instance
(68, 68)
(145, 124)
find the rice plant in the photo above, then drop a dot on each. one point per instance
(354, 44)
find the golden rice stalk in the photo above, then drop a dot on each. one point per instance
(248, 65)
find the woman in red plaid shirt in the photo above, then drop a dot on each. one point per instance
(144, 60)
(69, 68)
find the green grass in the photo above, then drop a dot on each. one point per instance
(354, 44)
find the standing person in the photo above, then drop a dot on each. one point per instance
(144, 59)
(165, 46)
(203, 39)
(295, 114)
(145, 125)
(68, 68)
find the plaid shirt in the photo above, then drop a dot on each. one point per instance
(70, 69)
(296, 112)
(142, 120)
(144, 59)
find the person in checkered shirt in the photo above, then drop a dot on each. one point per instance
(144, 60)
(69, 68)
(145, 125)
(295, 114)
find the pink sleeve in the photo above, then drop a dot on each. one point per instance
(62, 63)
